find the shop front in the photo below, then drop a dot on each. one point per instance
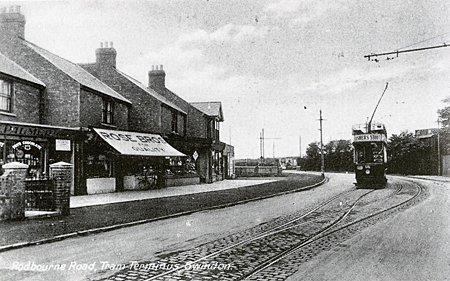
(38, 146)
(196, 166)
(217, 161)
(120, 160)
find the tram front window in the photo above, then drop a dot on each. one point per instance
(369, 153)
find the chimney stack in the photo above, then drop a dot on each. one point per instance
(106, 55)
(157, 78)
(12, 23)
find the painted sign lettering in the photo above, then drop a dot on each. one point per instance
(369, 138)
(134, 143)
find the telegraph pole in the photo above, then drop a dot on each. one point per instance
(322, 159)
(438, 148)
(261, 143)
(262, 139)
(300, 146)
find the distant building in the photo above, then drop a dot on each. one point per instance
(229, 162)
(428, 164)
(289, 162)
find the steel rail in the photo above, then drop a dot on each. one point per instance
(295, 248)
(264, 234)
(319, 235)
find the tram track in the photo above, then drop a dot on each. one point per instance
(271, 231)
(326, 234)
(255, 254)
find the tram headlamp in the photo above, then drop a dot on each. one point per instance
(367, 167)
(359, 168)
(367, 172)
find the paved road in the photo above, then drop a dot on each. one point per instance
(401, 248)
(142, 242)
(413, 245)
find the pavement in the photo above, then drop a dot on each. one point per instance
(103, 212)
(127, 196)
(435, 178)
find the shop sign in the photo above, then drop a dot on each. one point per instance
(134, 143)
(195, 155)
(31, 131)
(62, 145)
(26, 145)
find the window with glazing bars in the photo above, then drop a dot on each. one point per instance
(5, 96)
(174, 121)
(108, 111)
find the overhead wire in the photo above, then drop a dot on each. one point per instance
(426, 40)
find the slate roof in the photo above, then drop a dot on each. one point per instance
(77, 73)
(151, 92)
(9, 67)
(212, 109)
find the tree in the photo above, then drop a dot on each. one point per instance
(312, 159)
(339, 156)
(444, 116)
(406, 153)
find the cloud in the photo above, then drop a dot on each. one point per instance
(350, 78)
(300, 12)
(227, 33)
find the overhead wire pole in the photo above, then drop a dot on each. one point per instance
(322, 159)
(300, 146)
(262, 139)
(438, 148)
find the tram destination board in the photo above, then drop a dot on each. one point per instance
(369, 138)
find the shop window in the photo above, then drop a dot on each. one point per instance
(108, 111)
(5, 96)
(181, 166)
(98, 166)
(30, 153)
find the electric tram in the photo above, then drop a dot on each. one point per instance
(370, 154)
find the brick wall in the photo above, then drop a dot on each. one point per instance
(91, 106)
(61, 173)
(12, 191)
(60, 98)
(166, 120)
(25, 104)
(145, 113)
(196, 123)
(195, 126)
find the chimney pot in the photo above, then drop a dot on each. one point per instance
(156, 78)
(12, 22)
(106, 55)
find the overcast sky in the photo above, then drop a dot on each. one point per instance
(273, 64)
